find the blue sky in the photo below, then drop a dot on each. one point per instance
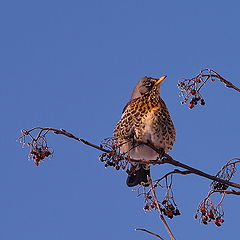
(73, 65)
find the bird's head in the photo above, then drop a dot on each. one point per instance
(145, 85)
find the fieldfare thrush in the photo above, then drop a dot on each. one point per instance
(145, 121)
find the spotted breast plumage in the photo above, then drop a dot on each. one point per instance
(145, 120)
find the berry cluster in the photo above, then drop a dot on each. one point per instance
(189, 89)
(209, 212)
(210, 215)
(149, 202)
(194, 101)
(39, 149)
(37, 154)
(168, 208)
(113, 158)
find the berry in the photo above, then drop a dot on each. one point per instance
(191, 105)
(204, 218)
(211, 215)
(176, 212)
(146, 207)
(193, 92)
(202, 102)
(170, 214)
(217, 223)
(152, 205)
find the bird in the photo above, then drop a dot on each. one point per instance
(145, 121)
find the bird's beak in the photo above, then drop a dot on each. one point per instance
(160, 80)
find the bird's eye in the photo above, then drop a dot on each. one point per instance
(148, 84)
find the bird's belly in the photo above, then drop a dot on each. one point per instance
(143, 152)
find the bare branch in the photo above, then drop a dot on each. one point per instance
(145, 230)
(228, 192)
(190, 88)
(175, 171)
(226, 82)
(165, 158)
(170, 160)
(159, 209)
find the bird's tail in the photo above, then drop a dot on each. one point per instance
(137, 176)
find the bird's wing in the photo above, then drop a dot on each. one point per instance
(164, 122)
(124, 128)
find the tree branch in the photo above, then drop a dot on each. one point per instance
(159, 209)
(165, 158)
(145, 230)
(227, 192)
(226, 82)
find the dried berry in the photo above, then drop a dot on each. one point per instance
(204, 218)
(202, 102)
(217, 223)
(146, 207)
(211, 215)
(176, 212)
(193, 92)
(170, 214)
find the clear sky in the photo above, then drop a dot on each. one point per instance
(73, 64)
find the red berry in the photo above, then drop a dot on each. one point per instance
(191, 105)
(152, 205)
(211, 215)
(217, 223)
(193, 92)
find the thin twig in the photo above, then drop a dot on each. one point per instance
(226, 82)
(145, 230)
(159, 209)
(175, 171)
(227, 192)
